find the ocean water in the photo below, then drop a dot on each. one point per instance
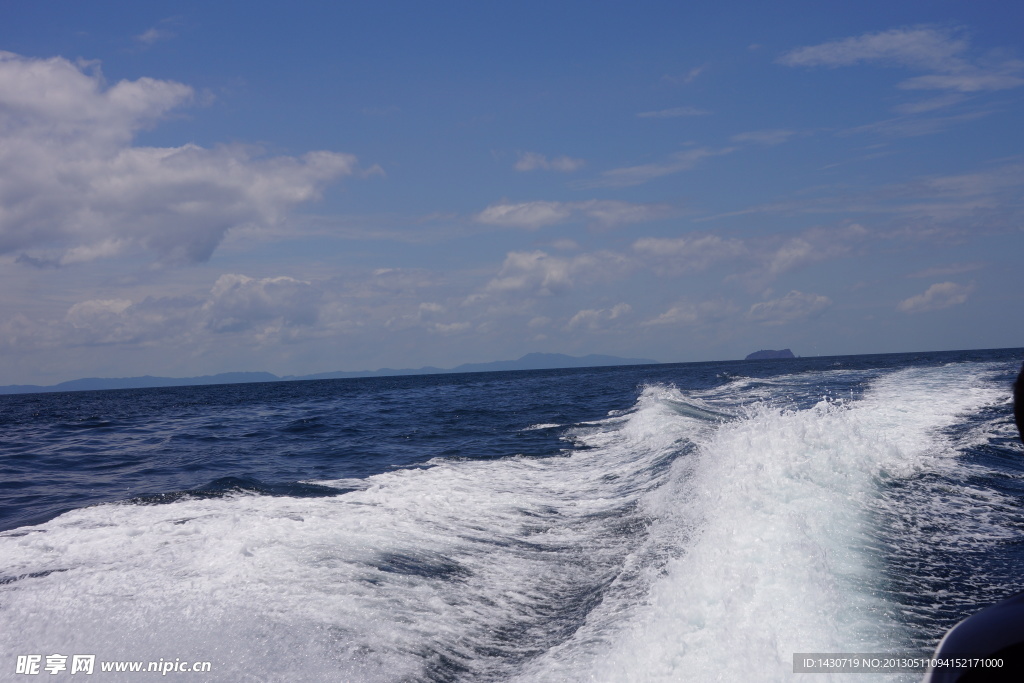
(651, 523)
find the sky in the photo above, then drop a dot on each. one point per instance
(189, 188)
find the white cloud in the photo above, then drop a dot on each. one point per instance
(18, 332)
(537, 214)
(931, 104)
(238, 303)
(689, 313)
(450, 328)
(687, 78)
(680, 314)
(971, 79)
(57, 98)
(73, 188)
(610, 213)
(537, 273)
(121, 321)
(938, 296)
(921, 47)
(249, 310)
(532, 271)
(531, 161)
(694, 252)
(529, 215)
(429, 307)
(810, 246)
(158, 33)
(790, 308)
(766, 257)
(793, 253)
(637, 175)
(154, 35)
(101, 320)
(672, 113)
(683, 160)
(596, 318)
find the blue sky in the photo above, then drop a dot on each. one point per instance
(190, 188)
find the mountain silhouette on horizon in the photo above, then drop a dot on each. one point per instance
(531, 361)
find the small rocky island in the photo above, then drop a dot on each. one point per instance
(770, 355)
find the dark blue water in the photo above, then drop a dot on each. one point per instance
(545, 525)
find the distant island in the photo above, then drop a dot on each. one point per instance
(531, 361)
(770, 355)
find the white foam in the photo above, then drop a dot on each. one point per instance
(774, 520)
(472, 564)
(348, 483)
(673, 546)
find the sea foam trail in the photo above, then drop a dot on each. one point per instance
(676, 541)
(784, 555)
(460, 569)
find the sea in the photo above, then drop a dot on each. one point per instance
(697, 521)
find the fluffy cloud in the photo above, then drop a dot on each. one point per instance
(533, 271)
(538, 214)
(102, 320)
(238, 303)
(923, 48)
(531, 161)
(74, 188)
(938, 296)
(792, 307)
